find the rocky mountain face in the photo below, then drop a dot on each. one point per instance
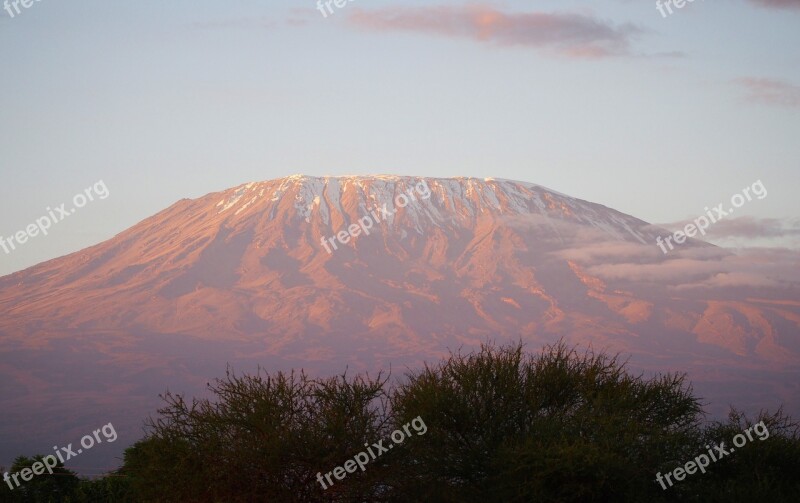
(370, 271)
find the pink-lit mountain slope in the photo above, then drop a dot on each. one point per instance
(241, 276)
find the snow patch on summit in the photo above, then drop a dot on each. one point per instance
(453, 202)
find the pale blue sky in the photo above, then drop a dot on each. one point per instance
(166, 100)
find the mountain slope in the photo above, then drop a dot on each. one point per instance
(243, 276)
(217, 266)
(474, 258)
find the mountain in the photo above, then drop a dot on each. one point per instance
(254, 275)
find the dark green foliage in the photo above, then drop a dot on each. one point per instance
(500, 425)
(113, 488)
(760, 470)
(63, 486)
(59, 487)
(264, 439)
(560, 426)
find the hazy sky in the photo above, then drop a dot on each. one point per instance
(608, 101)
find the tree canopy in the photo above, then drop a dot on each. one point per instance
(497, 424)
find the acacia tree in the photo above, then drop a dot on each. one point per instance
(560, 426)
(58, 487)
(765, 468)
(264, 438)
(500, 425)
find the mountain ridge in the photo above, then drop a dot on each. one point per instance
(239, 276)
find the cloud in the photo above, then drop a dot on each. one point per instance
(300, 16)
(234, 23)
(770, 91)
(696, 268)
(747, 227)
(777, 4)
(566, 34)
(692, 269)
(665, 271)
(732, 279)
(753, 267)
